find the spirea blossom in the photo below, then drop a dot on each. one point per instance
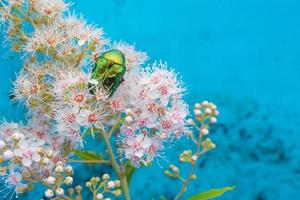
(157, 112)
(133, 57)
(28, 151)
(49, 8)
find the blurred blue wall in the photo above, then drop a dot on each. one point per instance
(244, 56)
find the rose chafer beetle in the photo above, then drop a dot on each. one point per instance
(109, 70)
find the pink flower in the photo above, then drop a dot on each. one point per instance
(27, 151)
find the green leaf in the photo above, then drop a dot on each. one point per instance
(88, 155)
(129, 171)
(163, 197)
(213, 193)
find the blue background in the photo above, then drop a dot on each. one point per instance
(242, 54)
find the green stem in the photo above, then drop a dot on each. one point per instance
(198, 152)
(90, 161)
(116, 167)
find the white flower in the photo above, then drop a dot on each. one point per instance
(68, 180)
(77, 28)
(8, 129)
(51, 180)
(50, 8)
(93, 116)
(8, 155)
(154, 97)
(111, 184)
(27, 151)
(14, 178)
(59, 169)
(204, 131)
(59, 191)
(2, 144)
(17, 136)
(45, 37)
(49, 193)
(69, 169)
(99, 196)
(139, 149)
(133, 58)
(105, 177)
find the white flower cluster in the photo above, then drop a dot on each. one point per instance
(64, 102)
(27, 149)
(152, 100)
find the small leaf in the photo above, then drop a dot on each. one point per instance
(213, 193)
(163, 197)
(88, 155)
(129, 171)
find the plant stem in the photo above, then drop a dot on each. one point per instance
(115, 125)
(90, 161)
(188, 179)
(116, 167)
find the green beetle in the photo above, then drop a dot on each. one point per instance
(109, 70)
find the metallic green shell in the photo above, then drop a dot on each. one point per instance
(109, 70)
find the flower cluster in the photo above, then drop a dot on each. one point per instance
(26, 152)
(61, 54)
(155, 111)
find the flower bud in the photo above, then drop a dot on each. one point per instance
(45, 161)
(205, 103)
(59, 192)
(193, 177)
(78, 188)
(194, 158)
(197, 105)
(40, 150)
(216, 113)
(213, 120)
(117, 192)
(51, 180)
(118, 183)
(105, 177)
(128, 119)
(204, 131)
(68, 180)
(97, 179)
(17, 136)
(213, 106)
(59, 169)
(49, 193)
(69, 169)
(99, 196)
(2, 144)
(190, 121)
(111, 184)
(128, 111)
(8, 155)
(49, 153)
(174, 168)
(197, 112)
(208, 111)
(88, 184)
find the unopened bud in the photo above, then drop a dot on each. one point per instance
(59, 192)
(49, 193)
(51, 180)
(68, 180)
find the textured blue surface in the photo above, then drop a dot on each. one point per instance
(244, 56)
